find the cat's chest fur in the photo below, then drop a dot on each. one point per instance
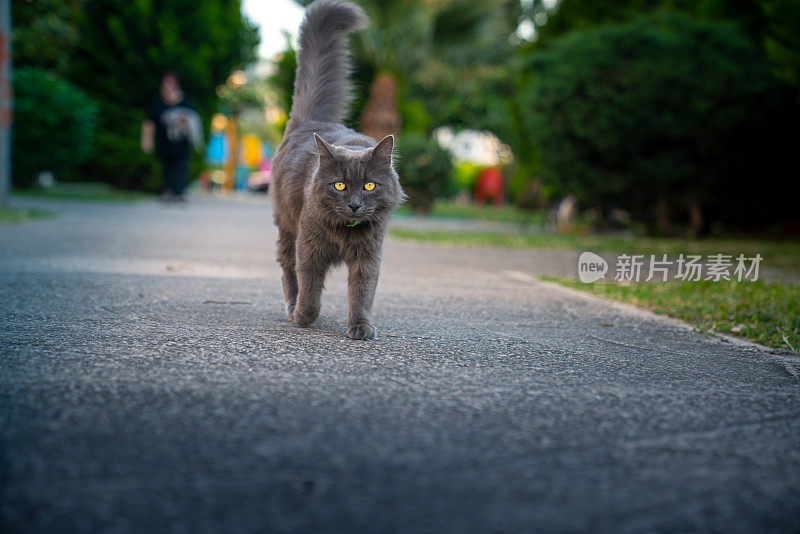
(346, 244)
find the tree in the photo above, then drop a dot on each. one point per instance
(45, 33)
(414, 49)
(125, 48)
(282, 77)
(579, 15)
(782, 38)
(662, 111)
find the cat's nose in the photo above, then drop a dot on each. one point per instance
(354, 206)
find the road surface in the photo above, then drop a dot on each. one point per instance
(151, 383)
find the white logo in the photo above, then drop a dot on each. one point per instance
(591, 267)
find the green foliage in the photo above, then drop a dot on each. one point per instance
(45, 33)
(447, 56)
(116, 157)
(415, 117)
(425, 170)
(117, 51)
(127, 46)
(53, 127)
(580, 15)
(461, 72)
(466, 174)
(661, 107)
(782, 40)
(236, 100)
(122, 51)
(282, 78)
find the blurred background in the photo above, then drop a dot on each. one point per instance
(668, 117)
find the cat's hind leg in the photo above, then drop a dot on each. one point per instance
(287, 261)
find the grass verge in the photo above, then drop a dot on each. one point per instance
(506, 214)
(780, 254)
(767, 313)
(84, 191)
(10, 215)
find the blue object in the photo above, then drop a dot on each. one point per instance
(215, 149)
(242, 174)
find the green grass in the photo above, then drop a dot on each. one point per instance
(10, 215)
(780, 254)
(768, 313)
(84, 191)
(505, 214)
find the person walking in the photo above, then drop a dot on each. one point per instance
(172, 126)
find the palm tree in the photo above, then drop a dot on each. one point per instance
(410, 39)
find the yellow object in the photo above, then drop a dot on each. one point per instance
(230, 164)
(339, 186)
(369, 186)
(251, 150)
(219, 122)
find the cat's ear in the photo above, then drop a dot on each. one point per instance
(382, 153)
(323, 148)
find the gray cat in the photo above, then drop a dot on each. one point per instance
(334, 189)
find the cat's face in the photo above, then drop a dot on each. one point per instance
(356, 185)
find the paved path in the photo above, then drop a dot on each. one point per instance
(150, 383)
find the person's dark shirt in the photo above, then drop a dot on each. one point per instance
(172, 129)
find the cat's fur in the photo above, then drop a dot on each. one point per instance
(315, 221)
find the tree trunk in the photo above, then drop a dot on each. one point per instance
(381, 116)
(663, 219)
(695, 217)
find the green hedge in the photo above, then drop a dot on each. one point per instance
(425, 170)
(664, 108)
(117, 158)
(54, 125)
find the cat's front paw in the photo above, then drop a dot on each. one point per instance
(304, 318)
(290, 310)
(361, 331)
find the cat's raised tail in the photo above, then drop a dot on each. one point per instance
(322, 83)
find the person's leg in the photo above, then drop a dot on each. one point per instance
(166, 177)
(181, 176)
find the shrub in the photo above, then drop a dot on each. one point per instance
(664, 111)
(425, 169)
(116, 157)
(54, 124)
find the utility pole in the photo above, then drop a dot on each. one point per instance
(6, 99)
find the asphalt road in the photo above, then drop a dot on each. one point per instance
(150, 382)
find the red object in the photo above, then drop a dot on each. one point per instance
(489, 185)
(204, 180)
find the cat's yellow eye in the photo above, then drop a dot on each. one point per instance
(339, 186)
(369, 186)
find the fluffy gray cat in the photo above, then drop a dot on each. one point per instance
(334, 189)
